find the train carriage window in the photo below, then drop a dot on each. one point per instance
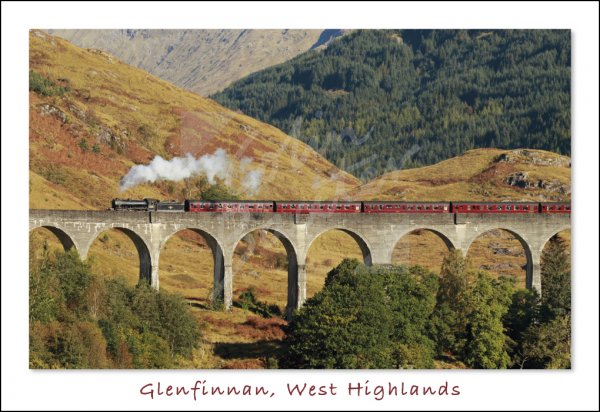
(251, 206)
(517, 207)
(338, 207)
(508, 207)
(260, 206)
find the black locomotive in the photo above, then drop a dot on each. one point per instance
(147, 205)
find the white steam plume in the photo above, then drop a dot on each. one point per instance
(251, 181)
(216, 165)
(212, 165)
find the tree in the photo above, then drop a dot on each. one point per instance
(523, 312)
(556, 280)
(467, 320)
(548, 345)
(487, 302)
(346, 325)
(365, 317)
(451, 311)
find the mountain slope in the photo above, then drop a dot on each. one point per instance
(478, 175)
(93, 117)
(203, 61)
(377, 100)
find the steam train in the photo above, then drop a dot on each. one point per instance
(306, 207)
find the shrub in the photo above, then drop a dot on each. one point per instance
(44, 86)
(83, 145)
(248, 301)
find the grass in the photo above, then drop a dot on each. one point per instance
(477, 175)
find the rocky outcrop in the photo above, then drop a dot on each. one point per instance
(48, 110)
(523, 181)
(533, 157)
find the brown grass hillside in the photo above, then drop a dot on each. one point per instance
(114, 116)
(478, 175)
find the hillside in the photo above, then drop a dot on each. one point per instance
(203, 61)
(92, 118)
(478, 175)
(379, 100)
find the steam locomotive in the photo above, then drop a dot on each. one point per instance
(306, 207)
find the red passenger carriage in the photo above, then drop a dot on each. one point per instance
(304, 207)
(556, 207)
(406, 207)
(504, 207)
(248, 206)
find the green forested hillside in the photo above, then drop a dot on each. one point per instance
(378, 100)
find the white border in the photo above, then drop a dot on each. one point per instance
(24, 389)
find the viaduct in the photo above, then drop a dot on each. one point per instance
(376, 235)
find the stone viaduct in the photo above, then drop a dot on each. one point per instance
(376, 234)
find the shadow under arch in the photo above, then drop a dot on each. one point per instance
(365, 249)
(439, 235)
(140, 246)
(218, 260)
(65, 240)
(292, 256)
(524, 245)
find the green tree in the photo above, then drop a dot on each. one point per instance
(467, 320)
(548, 345)
(451, 312)
(485, 343)
(365, 317)
(556, 280)
(523, 312)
